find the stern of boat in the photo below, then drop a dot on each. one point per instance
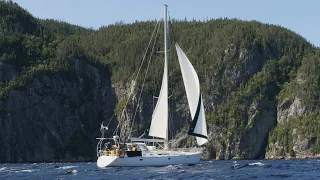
(105, 161)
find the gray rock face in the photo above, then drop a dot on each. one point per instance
(254, 141)
(240, 65)
(57, 117)
(290, 108)
(301, 144)
(134, 111)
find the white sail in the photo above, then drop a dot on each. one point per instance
(159, 122)
(198, 127)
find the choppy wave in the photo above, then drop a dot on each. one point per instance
(66, 167)
(2, 169)
(256, 164)
(26, 170)
(240, 165)
(15, 169)
(262, 169)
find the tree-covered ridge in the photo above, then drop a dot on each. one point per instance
(25, 40)
(204, 42)
(35, 46)
(306, 85)
(16, 19)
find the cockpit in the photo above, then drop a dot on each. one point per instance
(139, 146)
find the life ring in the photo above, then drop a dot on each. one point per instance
(121, 153)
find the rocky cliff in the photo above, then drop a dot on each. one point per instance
(57, 116)
(298, 130)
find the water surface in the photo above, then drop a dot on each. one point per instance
(244, 169)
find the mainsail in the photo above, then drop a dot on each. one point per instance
(198, 125)
(159, 122)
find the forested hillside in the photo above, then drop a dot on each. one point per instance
(58, 82)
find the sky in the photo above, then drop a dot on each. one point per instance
(299, 16)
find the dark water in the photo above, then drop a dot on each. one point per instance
(253, 169)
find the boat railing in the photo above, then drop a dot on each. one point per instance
(108, 153)
(99, 147)
(179, 150)
(103, 150)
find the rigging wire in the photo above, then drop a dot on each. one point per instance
(143, 59)
(143, 83)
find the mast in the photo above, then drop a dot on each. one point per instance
(165, 34)
(159, 123)
(166, 61)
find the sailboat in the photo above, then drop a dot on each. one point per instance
(137, 152)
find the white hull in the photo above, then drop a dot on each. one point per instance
(161, 160)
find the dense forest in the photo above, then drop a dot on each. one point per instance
(260, 82)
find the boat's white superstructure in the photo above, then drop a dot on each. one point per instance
(137, 153)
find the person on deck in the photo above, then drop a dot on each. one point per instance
(133, 148)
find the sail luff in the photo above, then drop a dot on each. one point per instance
(198, 126)
(159, 122)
